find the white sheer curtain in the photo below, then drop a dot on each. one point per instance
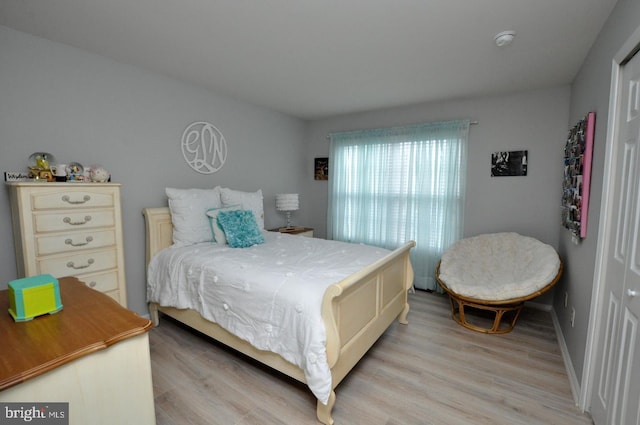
(389, 186)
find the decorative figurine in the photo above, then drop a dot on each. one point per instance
(99, 174)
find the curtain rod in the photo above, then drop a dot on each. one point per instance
(470, 123)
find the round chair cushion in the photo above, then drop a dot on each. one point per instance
(498, 266)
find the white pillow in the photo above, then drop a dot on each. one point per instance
(247, 200)
(189, 214)
(218, 233)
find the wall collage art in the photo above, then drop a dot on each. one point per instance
(578, 154)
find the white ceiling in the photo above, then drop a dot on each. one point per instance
(316, 58)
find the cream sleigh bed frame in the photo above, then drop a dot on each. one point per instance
(355, 311)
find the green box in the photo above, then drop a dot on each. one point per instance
(33, 296)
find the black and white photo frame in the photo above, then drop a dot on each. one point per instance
(509, 163)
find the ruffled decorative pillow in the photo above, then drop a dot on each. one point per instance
(240, 228)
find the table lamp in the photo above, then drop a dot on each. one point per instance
(287, 202)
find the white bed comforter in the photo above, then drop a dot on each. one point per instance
(269, 295)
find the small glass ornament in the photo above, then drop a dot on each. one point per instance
(40, 166)
(41, 160)
(75, 172)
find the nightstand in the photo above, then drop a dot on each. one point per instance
(298, 231)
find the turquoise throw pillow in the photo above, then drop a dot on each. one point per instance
(240, 228)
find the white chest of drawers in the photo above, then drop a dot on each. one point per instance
(70, 229)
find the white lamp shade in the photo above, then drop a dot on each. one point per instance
(287, 202)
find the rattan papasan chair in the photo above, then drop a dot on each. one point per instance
(496, 273)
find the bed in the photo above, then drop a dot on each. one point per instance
(355, 311)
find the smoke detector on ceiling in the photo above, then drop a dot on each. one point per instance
(504, 38)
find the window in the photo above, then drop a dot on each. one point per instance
(389, 186)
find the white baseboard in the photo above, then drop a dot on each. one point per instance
(573, 379)
(539, 306)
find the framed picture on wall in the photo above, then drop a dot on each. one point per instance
(509, 163)
(321, 169)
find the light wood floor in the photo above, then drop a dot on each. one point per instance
(432, 371)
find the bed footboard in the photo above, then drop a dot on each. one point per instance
(355, 311)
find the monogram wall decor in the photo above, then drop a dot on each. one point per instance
(204, 147)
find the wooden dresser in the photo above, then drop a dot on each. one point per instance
(70, 229)
(93, 355)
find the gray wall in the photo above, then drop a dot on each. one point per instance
(535, 121)
(590, 92)
(86, 108)
(90, 109)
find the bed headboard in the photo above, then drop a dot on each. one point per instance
(159, 230)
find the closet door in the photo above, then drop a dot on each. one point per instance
(616, 392)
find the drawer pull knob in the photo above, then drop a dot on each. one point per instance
(92, 284)
(71, 265)
(70, 241)
(85, 198)
(67, 220)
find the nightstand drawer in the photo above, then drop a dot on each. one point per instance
(73, 220)
(78, 264)
(306, 234)
(75, 241)
(72, 198)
